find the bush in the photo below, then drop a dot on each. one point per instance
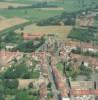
(30, 85)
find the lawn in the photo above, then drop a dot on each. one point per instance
(30, 13)
(60, 67)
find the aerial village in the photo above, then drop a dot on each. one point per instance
(53, 59)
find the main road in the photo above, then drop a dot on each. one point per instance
(50, 74)
(51, 78)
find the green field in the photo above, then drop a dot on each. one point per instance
(37, 14)
(30, 13)
(69, 5)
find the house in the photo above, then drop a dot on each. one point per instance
(85, 21)
(87, 61)
(61, 85)
(6, 58)
(84, 92)
(93, 62)
(82, 85)
(40, 56)
(27, 36)
(43, 91)
(89, 47)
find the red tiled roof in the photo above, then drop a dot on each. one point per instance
(59, 82)
(31, 36)
(84, 92)
(43, 90)
(86, 45)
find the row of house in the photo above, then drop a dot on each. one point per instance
(27, 36)
(78, 58)
(60, 81)
(84, 92)
(86, 60)
(43, 91)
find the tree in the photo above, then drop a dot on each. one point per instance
(10, 83)
(49, 85)
(30, 85)
(2, 45)
(2, 96)
(22, 95)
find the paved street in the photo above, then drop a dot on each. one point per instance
(50, 74)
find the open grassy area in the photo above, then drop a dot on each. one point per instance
(60, 67)
(61, 31)
(30, 13)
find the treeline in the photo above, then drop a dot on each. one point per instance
(9, 88)
(20, 70)
(86, 35)
(65, 19)
(29, 46)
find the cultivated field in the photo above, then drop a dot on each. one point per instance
(30, 13)
(7, 23)
(4, 5)
(69, 5)
(30, 1)
(61, 31)
(2, 18)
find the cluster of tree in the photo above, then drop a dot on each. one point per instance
(65, 18)
(83, 70)
(10, 83)
(12, 37)
(85, 35)
(42, 5)
(20, 70)
(34, 5)
(25, 95)
(29, 46)
(69, 71)
(10, 87)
